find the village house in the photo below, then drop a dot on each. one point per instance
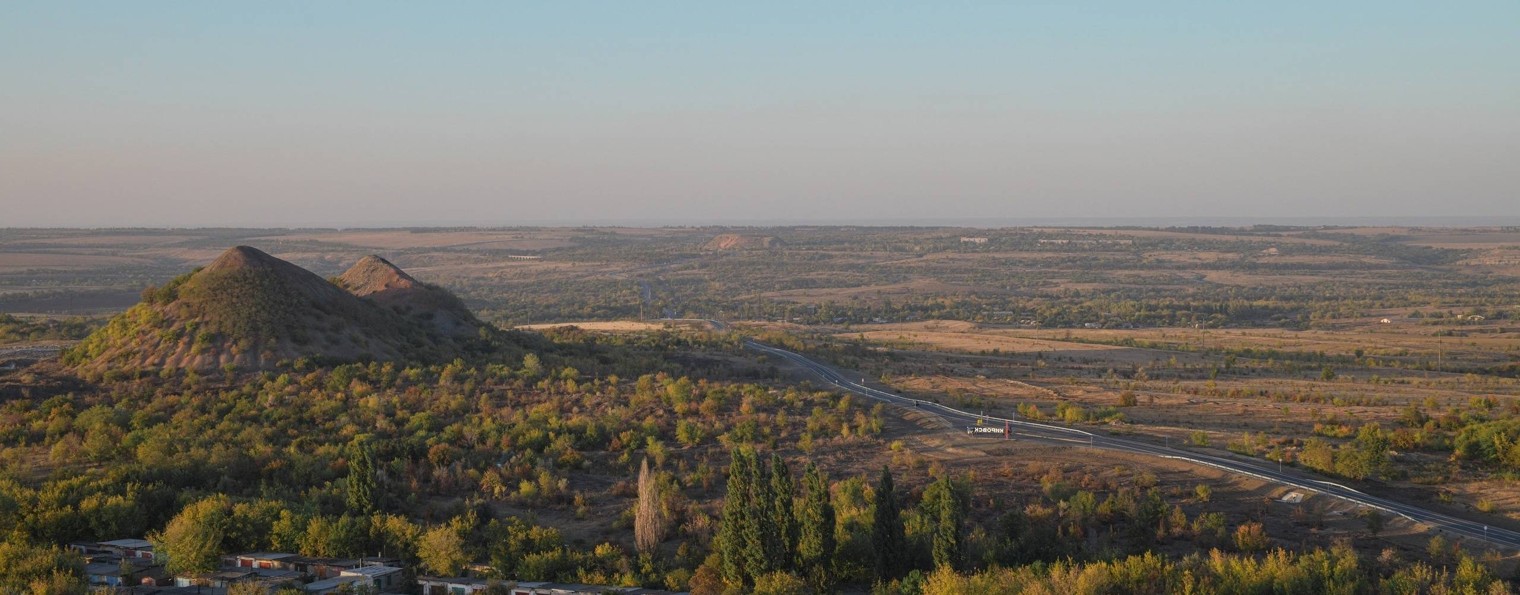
(139, 549)
(220, 579)
(379, 577)
(117, 567)
(154, 590)
(323, 568)
(537, 588)
(263, 560)
(107, 574)
(342, 584)
(123, 562)
(438, 585)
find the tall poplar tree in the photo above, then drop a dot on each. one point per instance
(783, 515)
(944, 503)
(649, 520)
(733, 535)
(888, 541)
(761, 537)
(816, 542)
(361, 476)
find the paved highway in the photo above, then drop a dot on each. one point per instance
(1499, 537)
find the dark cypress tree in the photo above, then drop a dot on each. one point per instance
(888, 541)
(761, 538)
(361, 476)
(732, 537)
(815, 520)
(944, 502)
(783, 515)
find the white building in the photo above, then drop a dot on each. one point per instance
(380, 577)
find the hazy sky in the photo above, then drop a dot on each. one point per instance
(362, 113)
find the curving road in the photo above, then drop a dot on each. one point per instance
(1497, 536)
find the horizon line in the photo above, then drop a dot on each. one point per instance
(1438, 221)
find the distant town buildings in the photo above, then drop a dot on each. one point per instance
(130, 566)
(1063, 242)
(432, 585)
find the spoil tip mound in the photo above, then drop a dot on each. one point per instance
(250, 310)
(376, 279)
(733, 241)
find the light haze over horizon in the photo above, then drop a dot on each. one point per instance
(367, 114)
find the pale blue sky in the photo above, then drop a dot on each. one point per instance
(363, 113)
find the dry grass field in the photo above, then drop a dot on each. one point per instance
(1181, 391)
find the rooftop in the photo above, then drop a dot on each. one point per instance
(331, 583)
(102, 569)
(456, 580)
(266, 556)
(129, 543)
(370, 571)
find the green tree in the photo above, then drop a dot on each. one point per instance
(532, 367)
(321, 538)
(782, 515)
(1367, 456)
(737, 509)
(1374, 442)
(248, 588)
(441, 548)
(889, 543)
(780, 583)
(1375, 521)
(287, 532)
(24, 567)
(762, 538)
(192, 541)
(944, 503)
(361, 476)
(1317, 455)
(816, 542)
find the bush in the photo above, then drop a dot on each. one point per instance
(1251, 537)
(780, 583)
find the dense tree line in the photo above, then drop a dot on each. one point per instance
(13, 329)
(414, 461)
